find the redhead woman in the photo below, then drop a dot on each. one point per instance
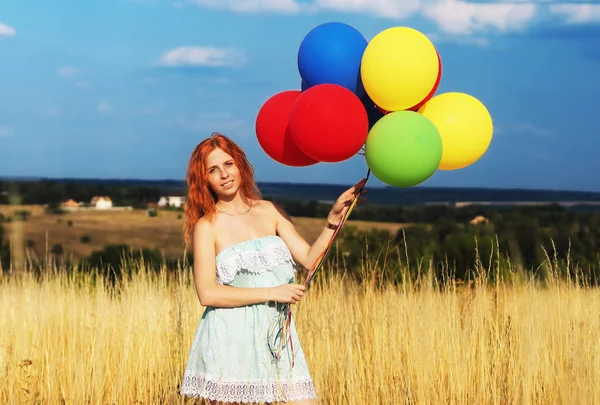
(245, 252)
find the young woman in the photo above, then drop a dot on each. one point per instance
(245, 250)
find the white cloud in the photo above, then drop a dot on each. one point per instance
(462, 17)
(577, 13)
(394, 9)
(73, 75)
(68, 72)
(533, 130)
(457, 17)
(524, 129)
(453, 16)
(6, 131)
(104, 107)
(458, 39)
(7, 31)
(251, 6)
(202, 56)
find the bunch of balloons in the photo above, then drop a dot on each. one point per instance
(377, 96)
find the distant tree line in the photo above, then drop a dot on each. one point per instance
(460, 249)
(52, 192)
(519, 237)
(514, 240)
(4, 248)
(504, 240)
(429, 214)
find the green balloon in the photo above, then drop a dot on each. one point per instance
(403, 149)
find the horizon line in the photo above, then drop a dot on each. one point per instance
(383, 187)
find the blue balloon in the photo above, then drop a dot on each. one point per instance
(303, 85)
(373, 112)
(332, 53)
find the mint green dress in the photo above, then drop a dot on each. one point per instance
(229, 359)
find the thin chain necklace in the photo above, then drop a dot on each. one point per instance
(233, 215)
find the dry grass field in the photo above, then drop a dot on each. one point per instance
(67, 338)
(135, 228)
(67, 341)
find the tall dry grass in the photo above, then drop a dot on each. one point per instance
(72, 340)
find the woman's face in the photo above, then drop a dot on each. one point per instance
(223, 174)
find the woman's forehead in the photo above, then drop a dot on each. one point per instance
(217, 156)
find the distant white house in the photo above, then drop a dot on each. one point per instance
(101, 202)
(171, 201)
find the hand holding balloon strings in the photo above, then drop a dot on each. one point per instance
(344, 201)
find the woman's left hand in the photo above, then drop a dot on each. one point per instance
(340, 207)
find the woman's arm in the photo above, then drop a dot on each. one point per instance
(302, 252)
(215, 295)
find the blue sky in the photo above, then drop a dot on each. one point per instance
(127, 88)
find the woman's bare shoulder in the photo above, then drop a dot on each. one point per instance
(204, 227)
(273, 210)
(266, 205)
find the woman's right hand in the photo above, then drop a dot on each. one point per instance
(286, 293)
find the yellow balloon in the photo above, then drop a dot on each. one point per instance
(465, 126)
(399, 68)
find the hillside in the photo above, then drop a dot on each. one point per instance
(134, 228)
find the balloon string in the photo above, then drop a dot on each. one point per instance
(279, 334)
(317, 265)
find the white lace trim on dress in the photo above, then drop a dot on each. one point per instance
(256, 262)
(247, 391)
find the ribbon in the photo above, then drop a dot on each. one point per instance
(279, 333)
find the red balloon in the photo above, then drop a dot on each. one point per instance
(431, 93)
(329, 123)
(272, 130)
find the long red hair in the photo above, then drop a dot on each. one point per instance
(201, 199)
